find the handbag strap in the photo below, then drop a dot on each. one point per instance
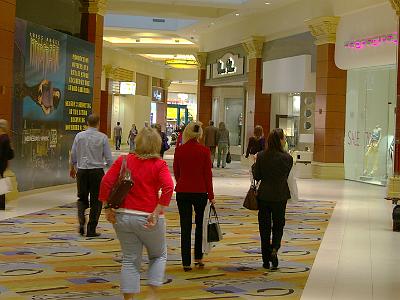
(213, 211)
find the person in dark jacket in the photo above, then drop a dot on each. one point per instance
(194, 186)
(6, 154)
(256, 142)
(272, 168)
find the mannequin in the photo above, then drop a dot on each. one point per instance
(371, 156)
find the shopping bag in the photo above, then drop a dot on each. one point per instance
(214, 233)
(292, 183)
(5, 185)
(228, 157)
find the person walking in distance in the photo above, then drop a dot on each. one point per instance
(131, 138)
(256, 144)
(118, 136)
(89, 155)
(272, 167)
(210, 139)
(6, 154)
(223, 144)
(194, 186)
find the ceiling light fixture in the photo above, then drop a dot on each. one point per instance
(267, 3)
(182, 63)
(237, 14)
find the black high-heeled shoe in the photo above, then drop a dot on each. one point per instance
(199, 264)
(274, 259)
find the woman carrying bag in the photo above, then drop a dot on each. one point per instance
(140, 219)
(272, 168)
(194, 187)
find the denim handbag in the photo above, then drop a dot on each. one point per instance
(214, 233)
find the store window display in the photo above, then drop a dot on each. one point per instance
(371, 94)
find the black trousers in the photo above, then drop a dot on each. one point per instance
(2, 197)
(88, 182)
(186, 203)
(271, 219)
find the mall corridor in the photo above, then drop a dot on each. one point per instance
(356, 258)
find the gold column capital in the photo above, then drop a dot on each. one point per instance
(94, 6)
(254, 46)
(166, 83)
(201, 58)
(109, 71)
(323, 29)
(396, 6)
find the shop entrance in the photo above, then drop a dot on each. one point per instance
(177, 115)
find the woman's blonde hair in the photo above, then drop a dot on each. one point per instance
(3, 124)
(192, 131)
(148, 143)
(258, 131)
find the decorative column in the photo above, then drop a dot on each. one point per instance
(92, 30)
(106, 100)
(394, 181)
(162, 106)
(7, 28)
(258, 108)
(330, 108)
(204, 93)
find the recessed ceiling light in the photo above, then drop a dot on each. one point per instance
(212, 23)
(237, 14)
(268, 3)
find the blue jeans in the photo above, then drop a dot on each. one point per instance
(132, 146)
(133, 236)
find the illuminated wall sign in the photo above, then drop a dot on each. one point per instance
(228, 65)
(376, 41)
(127, 88)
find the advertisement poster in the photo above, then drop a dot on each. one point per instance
(53, 80)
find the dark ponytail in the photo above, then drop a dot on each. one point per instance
(274, 141)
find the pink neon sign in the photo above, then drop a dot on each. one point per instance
(376, 41)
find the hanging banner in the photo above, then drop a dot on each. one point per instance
(53, 90)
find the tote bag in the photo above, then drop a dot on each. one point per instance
(5, 185)
(214, 233)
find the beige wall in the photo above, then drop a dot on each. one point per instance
(183, 88)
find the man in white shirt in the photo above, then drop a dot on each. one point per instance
(89, 155)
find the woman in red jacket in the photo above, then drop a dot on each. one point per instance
(140, 220)
(192, 170)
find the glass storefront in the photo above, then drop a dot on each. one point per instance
(370, 120)
(285, 111)
(234, 120)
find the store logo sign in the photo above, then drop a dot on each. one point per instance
(228, 65)
(376, 41)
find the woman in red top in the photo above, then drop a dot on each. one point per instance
(140, 220)
(192, 170)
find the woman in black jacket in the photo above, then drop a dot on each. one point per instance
(272, 167)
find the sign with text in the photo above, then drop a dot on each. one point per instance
(53, 90)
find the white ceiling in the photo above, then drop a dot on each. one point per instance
(211, 24)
